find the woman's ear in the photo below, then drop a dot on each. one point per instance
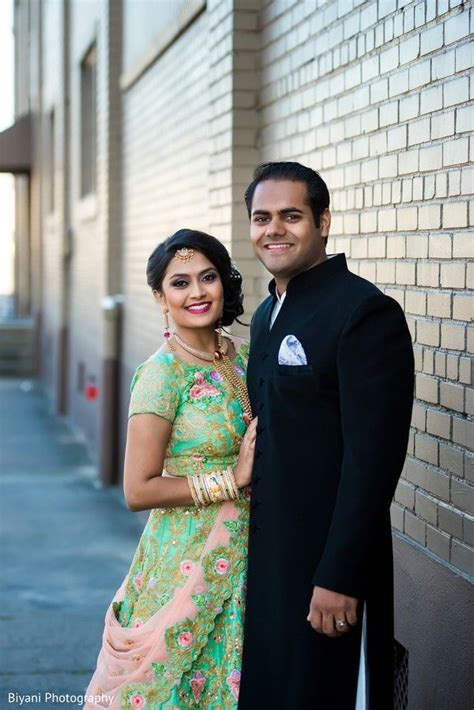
(159, 298)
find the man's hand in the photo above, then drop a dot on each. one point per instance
(326, 608)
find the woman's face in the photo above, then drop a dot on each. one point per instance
(193, 292)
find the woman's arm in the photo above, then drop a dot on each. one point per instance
(144, 486)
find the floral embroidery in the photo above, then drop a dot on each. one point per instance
(186, 567)
(239, 370)
(197, 683)
(185, 639)
(137, 623)
(137, 701)
(216, 376)
(138, 580)
(233, 681)
(222, 566)
(201, 388)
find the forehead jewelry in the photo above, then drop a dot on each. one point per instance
(184, 254)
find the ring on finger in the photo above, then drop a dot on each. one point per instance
(340, 624)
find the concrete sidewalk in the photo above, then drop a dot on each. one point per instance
(66, 545)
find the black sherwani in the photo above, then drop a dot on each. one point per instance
(332, 438)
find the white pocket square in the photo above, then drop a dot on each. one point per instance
(291, 352)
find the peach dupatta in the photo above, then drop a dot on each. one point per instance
(147, 655)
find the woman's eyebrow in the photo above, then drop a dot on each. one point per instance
(210, 268)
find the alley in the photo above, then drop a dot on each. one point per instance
(66, 546)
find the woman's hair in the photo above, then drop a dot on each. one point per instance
(213, 250)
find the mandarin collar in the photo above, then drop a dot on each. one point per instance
(315, 276)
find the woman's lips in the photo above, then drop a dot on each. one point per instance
(198, 308)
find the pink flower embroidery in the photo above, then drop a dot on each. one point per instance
(198, 457)
(186, 567)
(216, 376)
(233, 681)
(197, 683)
(201, 388)
(185, 639)
(222, 565)
(137, 701)
(138, 581)
(239, 370)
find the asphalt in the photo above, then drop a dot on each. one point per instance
(66, 544)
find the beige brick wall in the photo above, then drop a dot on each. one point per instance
(166, 172)
(372, 93)
(375, 95)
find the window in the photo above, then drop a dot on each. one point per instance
(51, 160)
(88, 122)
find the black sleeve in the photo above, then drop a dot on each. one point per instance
(376, 377)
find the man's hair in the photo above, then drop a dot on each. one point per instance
(318, 193)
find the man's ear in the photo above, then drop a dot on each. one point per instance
(325, 222)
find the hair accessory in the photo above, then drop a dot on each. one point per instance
(234, 271)
(184, 254)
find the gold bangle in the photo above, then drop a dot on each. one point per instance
(202, 491)
(233, 483)
(193, 492)
(215, 487)
(230, 484)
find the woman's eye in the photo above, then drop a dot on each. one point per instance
(180, 283)
(210, 277)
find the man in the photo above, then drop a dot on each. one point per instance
(331, 379)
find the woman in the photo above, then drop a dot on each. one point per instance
(173, 634)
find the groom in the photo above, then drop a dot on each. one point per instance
(331, 379)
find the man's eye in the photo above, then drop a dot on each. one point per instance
(292, 216)
(259, 219)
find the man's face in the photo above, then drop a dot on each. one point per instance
(282, 230)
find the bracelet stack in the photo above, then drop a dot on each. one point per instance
(215, 487)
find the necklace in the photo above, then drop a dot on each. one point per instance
(224, 366)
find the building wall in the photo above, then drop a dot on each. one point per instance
(375, 96)
(372, 93)
(165, 172)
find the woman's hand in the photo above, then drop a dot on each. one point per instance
(244, 466)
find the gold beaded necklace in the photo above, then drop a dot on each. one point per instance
(225, 367)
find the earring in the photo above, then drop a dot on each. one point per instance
(167, 334)
(220, 346)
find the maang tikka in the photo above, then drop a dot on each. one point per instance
(184, 254)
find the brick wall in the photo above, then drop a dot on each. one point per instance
(166, 173)
(375, 95)
(372, 93)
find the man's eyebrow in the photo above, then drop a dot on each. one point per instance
(285, 210)
(204, 271)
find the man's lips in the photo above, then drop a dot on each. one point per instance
(278, 247)
(198, 308)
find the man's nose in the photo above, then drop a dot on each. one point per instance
(276, 227)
